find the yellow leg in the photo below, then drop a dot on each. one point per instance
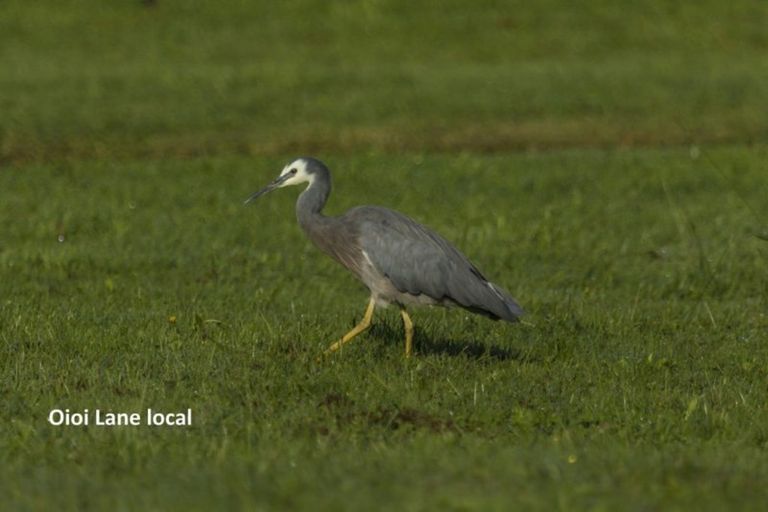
(363, 325)
(408, 325)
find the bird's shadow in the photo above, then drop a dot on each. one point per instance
(425, 345)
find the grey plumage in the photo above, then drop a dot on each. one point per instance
(398, 259)
(418, 261)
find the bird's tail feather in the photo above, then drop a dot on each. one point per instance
(511, 311)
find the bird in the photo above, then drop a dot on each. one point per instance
(401, 261)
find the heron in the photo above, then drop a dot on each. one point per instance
(401, 261)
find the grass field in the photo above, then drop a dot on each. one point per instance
(605, 164)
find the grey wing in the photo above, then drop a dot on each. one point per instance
(419, 261)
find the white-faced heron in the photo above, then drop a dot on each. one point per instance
(398, 259)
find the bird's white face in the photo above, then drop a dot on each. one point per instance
(295, 173)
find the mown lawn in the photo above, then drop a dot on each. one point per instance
(604, 164)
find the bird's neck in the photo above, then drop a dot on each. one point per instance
(310, 204)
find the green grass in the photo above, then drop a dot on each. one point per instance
(639, 373)
(194, 78)
(604, 164)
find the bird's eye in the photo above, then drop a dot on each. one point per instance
(293, 171)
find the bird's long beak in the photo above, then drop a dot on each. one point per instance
(269, 188)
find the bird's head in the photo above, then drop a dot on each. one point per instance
(301, 170)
